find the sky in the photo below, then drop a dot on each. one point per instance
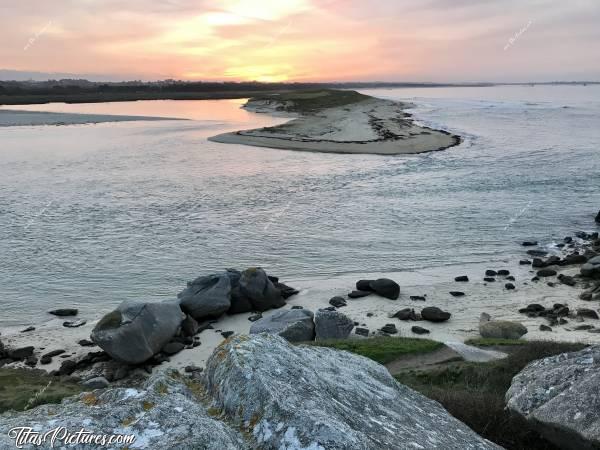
(303, 40)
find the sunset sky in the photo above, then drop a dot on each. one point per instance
(305, 40)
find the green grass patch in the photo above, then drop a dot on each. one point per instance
(22, 389)
(492, 342)
(382, 349)
(474, 393)
(312, 101)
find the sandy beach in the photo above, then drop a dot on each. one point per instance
(371, 312)
(14, 118)
(363, 125)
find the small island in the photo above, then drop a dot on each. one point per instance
(339, 121)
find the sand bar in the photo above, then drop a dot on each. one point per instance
(339, 122)
(14, 118)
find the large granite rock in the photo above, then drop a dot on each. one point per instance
(299, 397)
(295, 325)
(385, 287)
(135, 331)
(256, 286)
(500, 329)
(332, 325)
(207, 296)
(598, 217)
(591, 268)
(163, 413)
(560, 395)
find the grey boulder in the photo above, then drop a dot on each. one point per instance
(332, 325)
(295, 325)
(591, 268)
(260, 290)
(385, 287)
(206, 296)
(301, 397)
(500, 329)
(560, 396)
(135, 331)
(162, 413)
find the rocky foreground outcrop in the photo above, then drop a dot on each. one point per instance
(261, 392)
(560, 396)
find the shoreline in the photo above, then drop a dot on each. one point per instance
(20, 118)
(373, 312)
(340, 122)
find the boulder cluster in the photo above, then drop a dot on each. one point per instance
(135, 331)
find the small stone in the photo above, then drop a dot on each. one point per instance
(462, 278)
(226, 334)
(510, 278)
(509, 286)
(546, 273)
(337, 301)
(457, 293)
(359, 294)
(172, 348)
(419, 330)
(583, 327)
(256, 317)
(28, 329)
(362, 332)
(190, 369)
(503, 272)
(74, 324)
(529, 243)
(588, 313)
(45, 360)
(64, 312)
(297, 307)
(525, 262)
(490, 273)
(86, 343)
(489, 279)
(389, 328)
(96, 383)
(418, 298)
(54, 353)
(545, 328)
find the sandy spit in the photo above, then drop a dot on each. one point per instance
(372, 126)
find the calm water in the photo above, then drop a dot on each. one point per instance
(91, 215)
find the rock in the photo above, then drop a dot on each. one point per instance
(545, 328)
(583, 327)
(457, 293)
(419, 330)
(553, 260)
(386, 288)
(45, 360)
(337, 301)
(27, 330)
(295, 325)
(490, 273)
(96, 383)
(207, 296)
(64, 312)
(19, 354)
(162, 413)
(546, 273)
(74, 323)
(591, 268)
(565, 279)
(558, 397)
(500, 329)
(529, 243)
(533, 307)
(286, 291)
(85, 343)
(503, 272)
(524, 262)
(589, 313)
(173, 348)
(419, 298)
(489, 279)
(192, 368)
(297, 307)
(321, 400)
(389, 328)
(538, 263)
(364, 285)
(31, 361)
(509, 286)
(359, 294)
(597, 219)
(574, 259)
(462, 278)
(227, 334)
(135, 331)
(259, 316)
(240, 303)
(53, 353)
(406, 314)
(434, 314)
(537, 252)
(67, 367)
(332, 325)
(362, 332)
(256, 286)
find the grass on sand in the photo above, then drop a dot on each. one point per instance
(382, 349)
(474, 392)
(22, 389)
(311, 101)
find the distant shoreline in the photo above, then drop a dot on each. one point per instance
(333, 121)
